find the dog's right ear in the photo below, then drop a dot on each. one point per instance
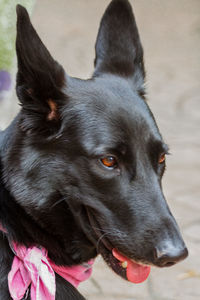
(40, 79)
(118, 47)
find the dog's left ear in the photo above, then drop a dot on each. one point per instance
(40, 79)
(118, 47)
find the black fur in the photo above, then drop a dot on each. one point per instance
(54, 190)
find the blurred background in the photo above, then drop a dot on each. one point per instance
(170, 33)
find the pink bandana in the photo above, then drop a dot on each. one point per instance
(31, 266)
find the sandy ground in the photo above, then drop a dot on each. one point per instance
(170, 32)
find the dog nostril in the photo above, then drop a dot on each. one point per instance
(169, 256)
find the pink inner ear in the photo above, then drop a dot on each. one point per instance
(53, 114)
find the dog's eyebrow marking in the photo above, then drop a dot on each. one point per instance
(53, 114)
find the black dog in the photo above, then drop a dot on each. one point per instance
(81, 164)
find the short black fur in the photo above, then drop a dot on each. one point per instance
(55, 191)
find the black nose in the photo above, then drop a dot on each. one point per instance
(169, 255)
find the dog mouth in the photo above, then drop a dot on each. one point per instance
(125, 267)
(122, 265)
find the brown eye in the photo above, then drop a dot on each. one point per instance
(162, 158)
(109, 161)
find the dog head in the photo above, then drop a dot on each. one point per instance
(94, 145)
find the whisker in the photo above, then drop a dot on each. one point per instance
(114, 232)
(57, 202)
(98, 242)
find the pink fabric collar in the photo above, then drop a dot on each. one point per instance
(32, 267)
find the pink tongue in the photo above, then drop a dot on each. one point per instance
(135, 273)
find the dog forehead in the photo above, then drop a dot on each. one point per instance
(105, 96)
(110, 111)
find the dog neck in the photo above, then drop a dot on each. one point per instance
(19, 226)
(25, 230)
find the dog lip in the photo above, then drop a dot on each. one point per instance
(99, 235)
(137, 261)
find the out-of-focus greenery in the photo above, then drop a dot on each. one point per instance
(8, 30)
